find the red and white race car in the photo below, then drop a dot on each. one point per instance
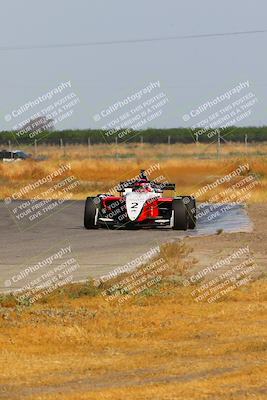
(140, 203)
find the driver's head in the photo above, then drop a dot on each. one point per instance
(143, 187)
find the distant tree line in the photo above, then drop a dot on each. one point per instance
(153, 136)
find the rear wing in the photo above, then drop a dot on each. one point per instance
(156, 185)
(163, 186)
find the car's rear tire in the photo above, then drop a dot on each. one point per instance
(179, 215)
(90, 214)
(192, 213)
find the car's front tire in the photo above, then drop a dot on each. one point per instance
(91, 213)
(179, 215)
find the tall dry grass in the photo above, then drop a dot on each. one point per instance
(164, 346)
(149, 151)
(100, 169)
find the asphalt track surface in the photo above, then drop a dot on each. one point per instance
(96, 251)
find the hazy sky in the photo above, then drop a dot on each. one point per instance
(190, 72)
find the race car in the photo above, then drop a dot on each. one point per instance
(140, 203)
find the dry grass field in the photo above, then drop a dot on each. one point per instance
(150, 151)
(159, 345)
(99, 169)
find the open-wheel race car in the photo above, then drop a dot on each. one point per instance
(140, 203)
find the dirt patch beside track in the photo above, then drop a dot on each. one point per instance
(208, 249)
